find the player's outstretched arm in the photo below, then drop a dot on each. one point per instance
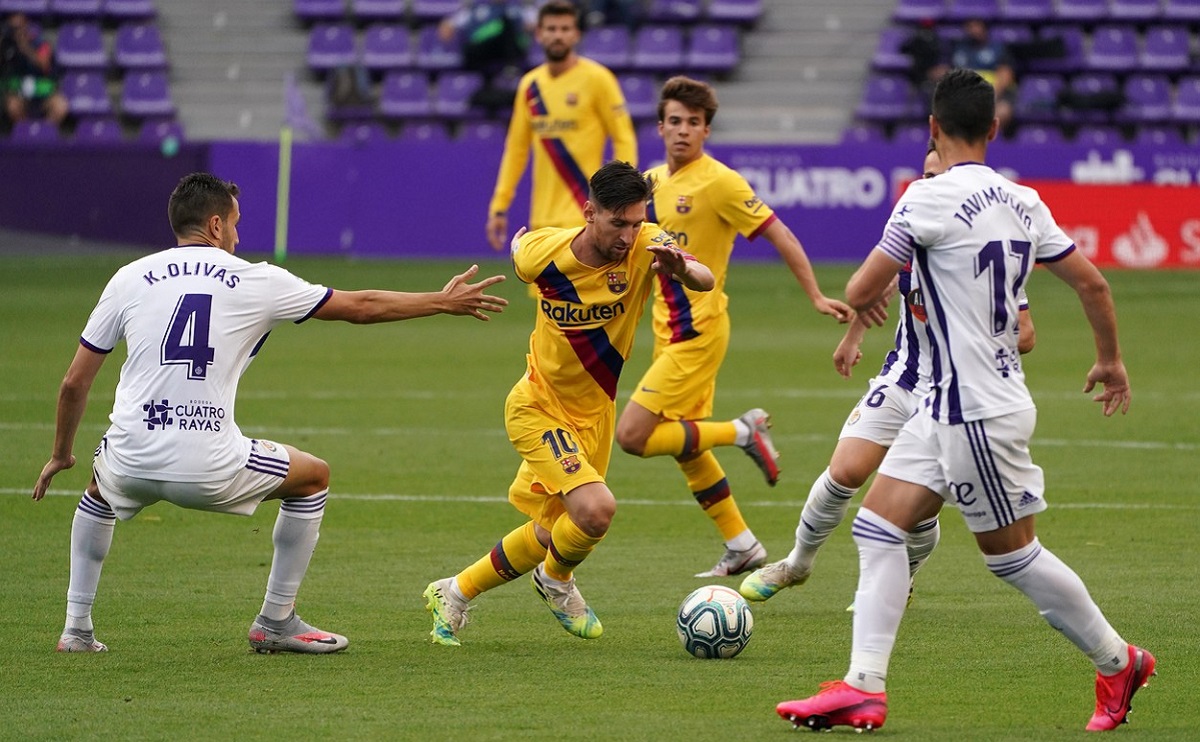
(1096, 297)
(671, 261)
(458, 297)
(847, 354)
(72, 401)
(789, 248)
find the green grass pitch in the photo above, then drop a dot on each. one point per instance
(409, 416)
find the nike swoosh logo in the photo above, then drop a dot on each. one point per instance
(322, 640)
(648, 390)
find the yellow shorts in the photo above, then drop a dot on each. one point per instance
(556, 456)
(682, 379)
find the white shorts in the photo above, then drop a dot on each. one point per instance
(983, 467)
(881, 413)
(239, 495)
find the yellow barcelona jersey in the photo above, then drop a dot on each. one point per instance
(704, 206)
(586, 320)
(566, 119)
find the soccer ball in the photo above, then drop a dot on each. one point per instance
(714, 623)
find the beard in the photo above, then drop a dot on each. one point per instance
(557, 53)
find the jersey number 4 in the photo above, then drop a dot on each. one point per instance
(186, 341)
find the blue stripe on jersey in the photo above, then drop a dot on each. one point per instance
(258, 346)
(554, 285)
(315, 309)
(1013, 566)
(897, 243)
(94, 348)
(941, 353)
(267, 464)
(1056, 258)
(862, 528)
(989, 474)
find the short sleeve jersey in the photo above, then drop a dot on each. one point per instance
(972, 237)
(192, 319)
(586, 320)
(567, 119)
(704, 205)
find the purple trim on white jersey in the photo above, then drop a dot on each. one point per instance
(258, 346)
(897, 244)
(314, 310)
(942, 354)
(273, 465)
(93, 348)
(1056, 258)
(989, 473)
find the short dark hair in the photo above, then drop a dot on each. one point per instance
(196, 198)
(560, 7)
(618, 185)
(694, 94)
(964, 105)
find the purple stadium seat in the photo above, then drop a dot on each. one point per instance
(887, 56)
(433, 10)
(364, 132)
(915, 11)
(452, 94)
(483, 131)
(1096, 96)
(965, 10)
(658, 48)
(712, 48)
(378, 10)
(145, 94)
(1072, 60)
(1028, 11)
(740, 12)
(1038, 134)
(405, 95)
(1081, 11)
(30, 7)
(1147, 99)
(435, 54)
(1098, 136)
(609, 45)
(128, 10)
(888, 98)
(331, 45)
(1159, 135)
(672, 11)
(99, 131)
(1012, 34)
(914, 134)
(1037, 98)
(427, 131)
(315, 11)
(1181, 10)
(1166, 49)
(1114, 49)
(1136, 11)
(154, 131)
(31, 131)
(139, 46)
(80, 9)
(80, 46)
(86, 93)
(1186, 109)
(641, 96)
(863, 134)
(387, 47)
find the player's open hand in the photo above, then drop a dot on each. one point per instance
(52, 467)
(468, 298)
(668, 259)
(1116, 394)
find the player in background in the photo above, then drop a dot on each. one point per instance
(704, 205)
(565, 110)
(972, 237)
(592, 283)
(891, 398)
(192, 318)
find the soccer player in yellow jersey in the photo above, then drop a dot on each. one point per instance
(704, 205)
(564, 110)
(592, 284)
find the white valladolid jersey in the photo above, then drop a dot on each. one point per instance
(192, 318)
(972, 237)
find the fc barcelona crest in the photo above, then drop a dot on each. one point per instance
(683, 205)
(570, 464)
(617, 282)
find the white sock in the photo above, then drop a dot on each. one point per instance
(1063, 600)
(743, 541)
(880, 599)
(823, 511)
(921, 542)
(91, 538)
(743, 433)
(297, 529)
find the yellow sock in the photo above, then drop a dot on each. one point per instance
(708, 484)
(688, 437)
(569, 546)
(516, 554)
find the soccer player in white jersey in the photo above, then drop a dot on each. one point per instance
(192, 318)
(868, 432)
(972, 237)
